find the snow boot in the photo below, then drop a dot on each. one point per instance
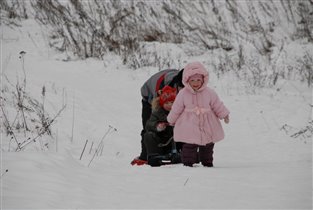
(137, 161)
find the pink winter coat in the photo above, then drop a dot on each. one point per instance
(196, 115)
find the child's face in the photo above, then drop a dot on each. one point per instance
(168, 105)
(196, 83)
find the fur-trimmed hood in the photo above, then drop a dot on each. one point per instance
(155, 104)
(192, 69)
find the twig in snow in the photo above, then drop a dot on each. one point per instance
(101, 143)
(20, 90)
(186, 181)
(102, 146)
(96, 152)
(42, 132)
(73, 119)
(102, 149)
(56, 141)
(10, 129)
(93, 157)
(91, 148)
(307, 131)
(6, 171)
(115, 129)
(83, 150)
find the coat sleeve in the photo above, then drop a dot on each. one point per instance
(177, 108)
(152, 122)
(218, 106)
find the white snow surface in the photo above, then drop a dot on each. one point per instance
(257, 166)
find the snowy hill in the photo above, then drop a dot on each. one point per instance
(265, 161)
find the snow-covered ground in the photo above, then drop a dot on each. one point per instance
(257, 166)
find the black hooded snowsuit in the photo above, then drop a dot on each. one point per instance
(158, 142)
(171, 77)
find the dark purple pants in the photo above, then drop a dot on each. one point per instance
(190, 154)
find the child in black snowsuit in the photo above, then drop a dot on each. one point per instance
(149, 90)
(158, 137)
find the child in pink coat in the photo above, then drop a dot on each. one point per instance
(196, 115)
